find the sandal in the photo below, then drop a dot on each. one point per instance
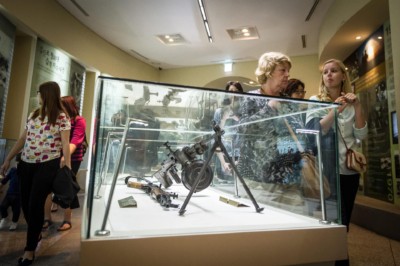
(64, 226)
(46, 224)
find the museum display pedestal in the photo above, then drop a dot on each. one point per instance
(210, 233)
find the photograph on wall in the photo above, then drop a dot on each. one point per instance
(370, 54)
(52, 64)
(367, 68)
(7, 34)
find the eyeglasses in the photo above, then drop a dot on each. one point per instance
(300, 92)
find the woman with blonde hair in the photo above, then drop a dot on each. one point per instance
(272, 73)
(335, 87)
(266, 141)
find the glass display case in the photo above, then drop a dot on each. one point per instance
(171, 160)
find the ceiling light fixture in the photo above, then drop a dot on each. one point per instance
(205, 20)
(311, 12)
(243, 33)
(358, 38)
(171, 39)
(228, 67)
(79, 7)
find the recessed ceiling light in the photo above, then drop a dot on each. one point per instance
(171, 39)
(228, 67)
(243, 33)
(358, 37)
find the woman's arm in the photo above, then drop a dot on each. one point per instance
(14, 151)
(65, 148)
(225, 166)
(327, 122)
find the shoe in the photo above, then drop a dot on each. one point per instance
(3, 223)
(64, 226)
(46, 224)
(25, 262)
(13, 226)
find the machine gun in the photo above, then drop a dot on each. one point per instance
(155, 191)
(186, 157)
(168, 170)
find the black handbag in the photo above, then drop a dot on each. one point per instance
(65, 188)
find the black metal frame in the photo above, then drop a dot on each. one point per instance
(218, 144)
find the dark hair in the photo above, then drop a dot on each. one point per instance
(69, 105)
(234, 83)
(292, 86)
(51, 107)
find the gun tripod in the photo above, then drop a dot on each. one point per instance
(218, 144)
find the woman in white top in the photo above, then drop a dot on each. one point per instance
(43, 142)
(335, 87)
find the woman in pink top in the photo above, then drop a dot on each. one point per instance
(44, 140)
(77, 137)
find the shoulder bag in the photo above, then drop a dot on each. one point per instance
(355, 160)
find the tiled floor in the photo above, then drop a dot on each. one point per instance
(62, 248)
(56, 248)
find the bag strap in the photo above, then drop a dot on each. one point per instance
(340, 132)
(301, 149)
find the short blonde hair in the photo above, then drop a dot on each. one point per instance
(323, 94)
(267, 64)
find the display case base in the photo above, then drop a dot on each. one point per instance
(212, 232)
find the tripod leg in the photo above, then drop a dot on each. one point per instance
(258, 208)
(197, 181)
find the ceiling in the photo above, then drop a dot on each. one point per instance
(133, 26)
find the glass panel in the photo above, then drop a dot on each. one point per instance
(189, 142)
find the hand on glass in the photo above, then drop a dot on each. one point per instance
(227, 167)
(345, 99)
(276, 105)
(349, 97)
